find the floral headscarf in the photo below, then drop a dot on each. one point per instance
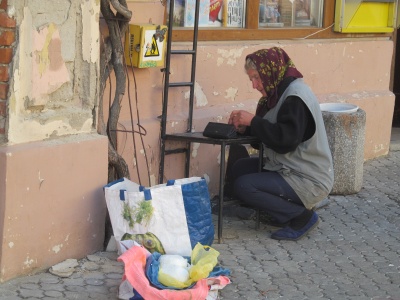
(273, 65)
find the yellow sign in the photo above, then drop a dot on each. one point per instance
(152, 49)
(145, 45)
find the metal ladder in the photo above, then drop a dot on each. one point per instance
(167, 85)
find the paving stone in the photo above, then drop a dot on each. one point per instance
(29, 286)
(53, 294)
(27, 293)
(6, 292)
(52, 287)
(75, 288)
(72, 282)
(352, 254)
(94, 275)
(10, 297)
(77, 295)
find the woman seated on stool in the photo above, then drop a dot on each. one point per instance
(298, 170)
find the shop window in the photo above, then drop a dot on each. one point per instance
(212, 13)
(290, 13)
(232, 20)
(232, 13)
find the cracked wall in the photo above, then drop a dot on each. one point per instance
(51, 158)
(55, 74)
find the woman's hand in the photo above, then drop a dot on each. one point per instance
(240, 119)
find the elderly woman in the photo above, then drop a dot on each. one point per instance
(298, 170)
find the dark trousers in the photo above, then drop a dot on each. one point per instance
(267, 190)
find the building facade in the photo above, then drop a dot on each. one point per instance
(53, 163)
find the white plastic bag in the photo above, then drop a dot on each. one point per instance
(181, 214)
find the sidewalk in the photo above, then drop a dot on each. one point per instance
(353, 254)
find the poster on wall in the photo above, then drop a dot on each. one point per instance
(212, 13)
(234, 13)
(190, 9)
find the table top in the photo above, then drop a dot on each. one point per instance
(199, 138)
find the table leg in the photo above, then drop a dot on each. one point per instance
(221, 192)
(260, 166)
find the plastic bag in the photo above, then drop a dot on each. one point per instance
(173, 259)
(136, 270)
(181, 214)
(176, 268)
(173, 277)
(203, 259)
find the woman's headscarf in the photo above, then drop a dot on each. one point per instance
(273, 65)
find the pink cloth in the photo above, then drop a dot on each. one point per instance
(135, 264)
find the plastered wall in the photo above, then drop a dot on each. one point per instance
(53, 164)
(54, 86)
(52, 93)
(355, 71)
(52, 202)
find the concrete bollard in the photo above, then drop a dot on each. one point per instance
(345, 128)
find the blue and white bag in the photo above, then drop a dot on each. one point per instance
(181, 213)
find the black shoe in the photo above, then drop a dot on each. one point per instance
(291, 234)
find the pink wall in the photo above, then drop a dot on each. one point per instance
(352, 71)
(55, 206)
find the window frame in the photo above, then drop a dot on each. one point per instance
(252, 32)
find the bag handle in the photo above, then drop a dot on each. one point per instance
(146, 192)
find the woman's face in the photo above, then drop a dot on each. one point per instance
(256, 81)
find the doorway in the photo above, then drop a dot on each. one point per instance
(396, 80)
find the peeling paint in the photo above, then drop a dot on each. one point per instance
(57, 248)
(11, 11)
(201, 98)
(67, 238)
(34, 129)
(91, 34)
(230, 55)
(43, 55)
(231, 93)
(44, 101)
(40, 180)
(206, 177)
(195, 147)
(10, 244)
(28, 262)
(152, 180)
(49, 71)
(379, 148)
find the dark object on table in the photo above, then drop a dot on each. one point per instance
(220, 131)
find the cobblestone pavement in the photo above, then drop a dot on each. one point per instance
(353, 254)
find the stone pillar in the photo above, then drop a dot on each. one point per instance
(346, 136)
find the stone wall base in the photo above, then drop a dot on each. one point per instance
(346, 136)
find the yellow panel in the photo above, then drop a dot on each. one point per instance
(370, 17)
(371, 14)
(145, 45)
